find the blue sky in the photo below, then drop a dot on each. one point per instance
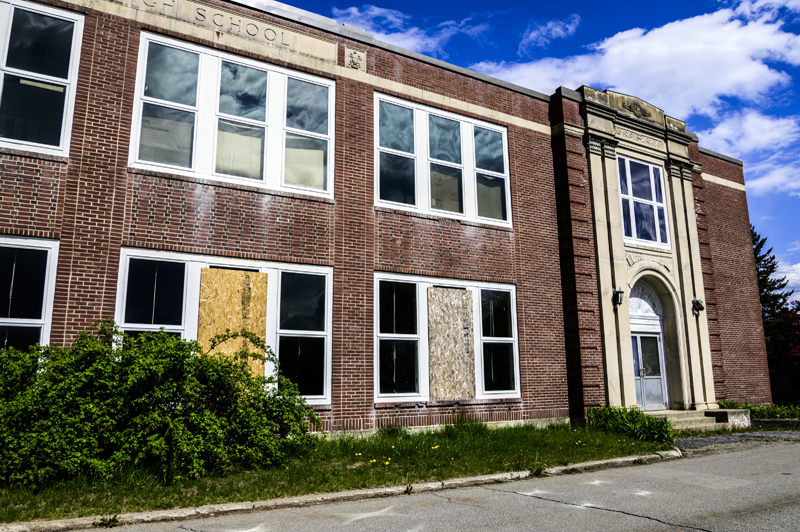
(729, 68)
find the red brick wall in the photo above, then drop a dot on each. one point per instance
(734, 311)
(582, 333)
(95, 204)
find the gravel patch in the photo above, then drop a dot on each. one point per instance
(739, 441)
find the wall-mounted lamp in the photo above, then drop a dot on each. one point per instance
(616, 297)
(697, 306)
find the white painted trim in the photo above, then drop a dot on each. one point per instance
(722, 181)
(69, 84)
(46, 321)
(194, 265)
(423, 161)
(207, 112)
(423, 283)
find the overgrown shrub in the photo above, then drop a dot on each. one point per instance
(765, 411)
(633, 423)
(156, 402)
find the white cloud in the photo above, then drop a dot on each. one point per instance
(685, 67)
(540, 35)
(793, 246)
(775, 178)
(750, 132)
(792, 274)
(393, 26)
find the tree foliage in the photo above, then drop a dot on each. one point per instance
(781, 323)
(156, 402)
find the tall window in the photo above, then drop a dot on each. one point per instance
(497, 341)
(27, 278)
(39, 71)
(440, 163)
(162, 290)
(398, 338)
(302, 334)
(644, 208)
(205, 113)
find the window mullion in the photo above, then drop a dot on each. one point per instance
(205, 132)
(422, 166)
(276, 116)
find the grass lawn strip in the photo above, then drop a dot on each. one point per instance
(390, 458)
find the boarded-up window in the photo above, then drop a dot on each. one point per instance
(235, 300)
(451, 344)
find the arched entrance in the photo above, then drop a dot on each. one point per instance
(647, 340)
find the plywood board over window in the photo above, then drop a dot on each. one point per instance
(451, 344)
(235, 300)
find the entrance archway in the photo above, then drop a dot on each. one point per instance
(647, 340)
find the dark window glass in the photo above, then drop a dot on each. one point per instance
(302, 361)
(22, 279)
(32, 111)
(446, 189)
(397, 179)
(302, 302)
(489, 150)
(154, 295)
(445, 139)
(626, 217)
(398, 371)
(171, 74)
(243, 91)
(623, 177)
(498, 367)
(396, 127)
(640, 181)
(491, 197)
(645, 221)
(40, 43)
(398, 312)
(20, 338)
(307, 106)
(651, 361)
(662, 224)
(657, 183)
(496, 312)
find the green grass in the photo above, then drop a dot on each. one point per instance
(391, 457)
(766, 411)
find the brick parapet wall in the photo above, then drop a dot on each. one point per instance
(734, 311)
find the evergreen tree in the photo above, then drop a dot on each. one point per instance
(774, 297)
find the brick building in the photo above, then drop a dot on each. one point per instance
(415, 240)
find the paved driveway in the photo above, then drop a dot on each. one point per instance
(749, 490)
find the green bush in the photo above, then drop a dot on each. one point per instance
(765, 411)
(633, 423)
(155, 402)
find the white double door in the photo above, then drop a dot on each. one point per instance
(648, 366)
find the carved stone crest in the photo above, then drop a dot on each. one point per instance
(637, 110)
(355, 59)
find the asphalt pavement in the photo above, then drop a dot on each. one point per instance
(745, 484)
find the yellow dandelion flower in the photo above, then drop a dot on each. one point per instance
(387, 463)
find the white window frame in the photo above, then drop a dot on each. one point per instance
(422, 162)
(423, 283)
(191, 300)
(45, 322)
(207, 115)
(630, 199)
(7, 8)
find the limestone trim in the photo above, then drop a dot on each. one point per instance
(639, 138)
(722, 181)
(316, 54)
